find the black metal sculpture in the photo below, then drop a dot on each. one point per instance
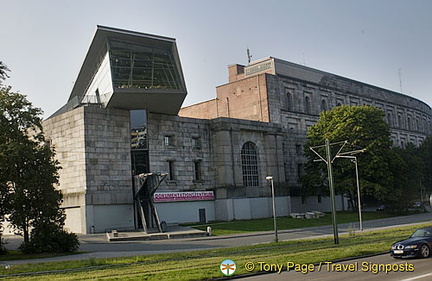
(145, 187)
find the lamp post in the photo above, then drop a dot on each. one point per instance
(270, 178)
(354, 160)
(358, 193)
(328, 159)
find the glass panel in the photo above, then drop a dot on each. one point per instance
(138, 121)
(249, 158)
(139, 162)
(137, 66)
(139, 151)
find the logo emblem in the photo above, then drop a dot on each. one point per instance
(228, 267)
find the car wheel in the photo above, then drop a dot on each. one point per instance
(424, 251)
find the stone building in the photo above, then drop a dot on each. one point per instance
(123, 118)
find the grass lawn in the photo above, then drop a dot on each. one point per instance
(284, 223)
(204, 265)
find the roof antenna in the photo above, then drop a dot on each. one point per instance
(249, 55)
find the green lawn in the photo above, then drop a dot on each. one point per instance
(204, 265)
(284, 223)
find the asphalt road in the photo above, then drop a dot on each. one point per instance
(97, 246)
(382, 268)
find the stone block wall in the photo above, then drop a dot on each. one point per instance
(107, 155)
(229, 136)
(66, 135)
(297, 104)
(185, 144)
(93, 148)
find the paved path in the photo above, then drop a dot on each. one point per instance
(97, 246)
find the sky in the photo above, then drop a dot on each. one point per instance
(386, 43)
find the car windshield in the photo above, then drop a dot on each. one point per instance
(422, 233)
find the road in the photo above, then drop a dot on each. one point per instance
(96, 245)
(371, 268)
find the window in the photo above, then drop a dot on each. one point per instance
(307, 105)
(323, 105)
(249, 159)
(196, 142)
(138, 133)
(197, 170)
(168, 141)
(389, 119)
(143, 67)
(171, 171)
(289, 102)
(299, 149)
(300, 171)
(138, 127)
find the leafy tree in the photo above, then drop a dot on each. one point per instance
(363, 127)
(425, 153)
(28, 170)
(412, 173)
(3, 70)
(3, 188)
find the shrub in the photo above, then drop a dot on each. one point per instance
(51, 239)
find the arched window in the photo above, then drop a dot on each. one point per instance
(389, 119)
(249, 159)
(307, 105)
(323, 105)
(289, 102)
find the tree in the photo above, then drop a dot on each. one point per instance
(3, 70)
(412, 173)
(364, 128)
(3, 188)
(28, 170)
(425, 153)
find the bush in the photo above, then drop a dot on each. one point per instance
(51, 240)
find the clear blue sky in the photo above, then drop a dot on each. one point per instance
(44, 42)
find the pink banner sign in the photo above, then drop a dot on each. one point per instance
(183, 196)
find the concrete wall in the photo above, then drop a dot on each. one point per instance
(251, 208)
(169, 212)
(105, 217)
(311, 203)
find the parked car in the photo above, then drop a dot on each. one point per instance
(418, 245)
(381, 207)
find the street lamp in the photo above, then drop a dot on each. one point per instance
(329, 161)
(354, 160)
(270, 178)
